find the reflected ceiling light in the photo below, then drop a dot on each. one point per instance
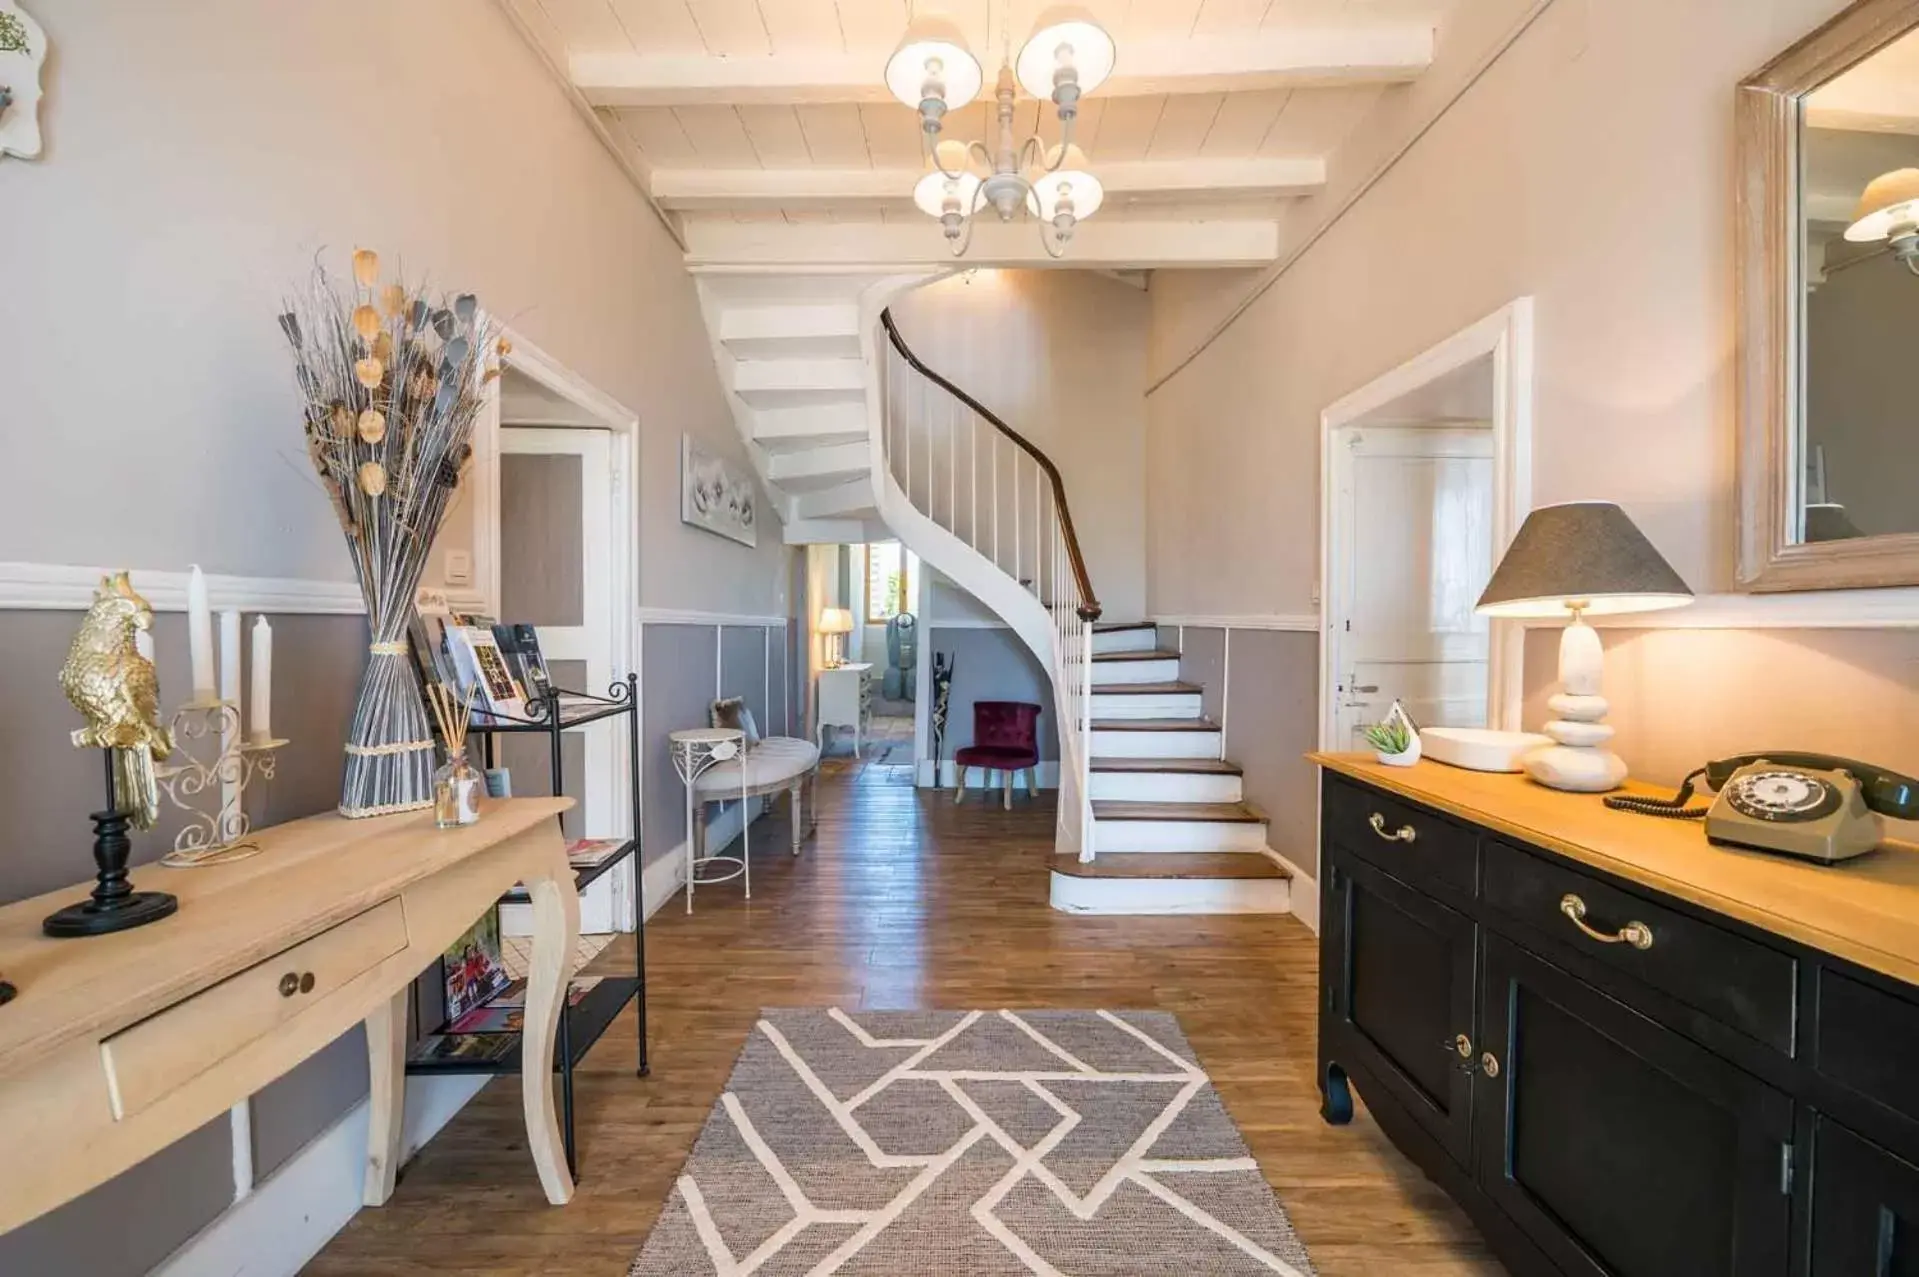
(1889, 210)
(932, 71)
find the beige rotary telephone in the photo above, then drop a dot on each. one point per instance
(1815, 806)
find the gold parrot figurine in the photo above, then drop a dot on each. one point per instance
(116, 691)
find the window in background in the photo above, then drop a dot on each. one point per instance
(892, 581)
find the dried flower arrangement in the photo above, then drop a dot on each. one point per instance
(392, 384)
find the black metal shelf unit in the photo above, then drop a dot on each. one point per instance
(580, 1025)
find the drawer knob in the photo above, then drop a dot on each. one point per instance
(1463, 1045)
(289, 984)
(1489, 1064)
(1637, 934)
(306, 982)
(1404, 833)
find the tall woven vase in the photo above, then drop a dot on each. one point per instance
(392, 384)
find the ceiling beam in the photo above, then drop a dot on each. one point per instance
(1138, 180)
(718, 245)
(1265, 59)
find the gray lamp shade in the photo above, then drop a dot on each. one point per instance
(1586, 553)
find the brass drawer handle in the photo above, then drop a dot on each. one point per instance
(1637, 934)
(1404, 833)
(296, 982)
(1462, 1044)
(1489, 1064)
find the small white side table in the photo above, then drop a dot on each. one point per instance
(695, 750)
(843, 700)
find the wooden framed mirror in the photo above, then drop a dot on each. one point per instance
(1828, 308)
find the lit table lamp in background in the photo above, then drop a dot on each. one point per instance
(1584, 557)
(836, 622)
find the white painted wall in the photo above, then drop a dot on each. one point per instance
(1061, 356)
(198, 155)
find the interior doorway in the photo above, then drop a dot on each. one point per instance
(1425, 477)
(556, 541)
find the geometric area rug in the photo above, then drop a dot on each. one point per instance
(1065, 1143)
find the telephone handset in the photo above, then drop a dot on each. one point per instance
(1812, 805)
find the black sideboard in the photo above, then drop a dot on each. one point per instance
(1713, 1071)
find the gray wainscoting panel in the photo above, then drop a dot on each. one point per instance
(677, 689)
(129, 1224)
(779, 702)
(293, 1109)
(1271, 723)
(743, 668)
(1203, 661)
(993, 665)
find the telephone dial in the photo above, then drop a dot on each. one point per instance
(1814, 806)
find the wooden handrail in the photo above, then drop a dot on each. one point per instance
(1089, 609)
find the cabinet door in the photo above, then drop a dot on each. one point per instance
(1865, 1208)
(1618, 1146)
(1403, 998)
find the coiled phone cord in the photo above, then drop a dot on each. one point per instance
(1673, 808)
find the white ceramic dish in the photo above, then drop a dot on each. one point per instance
(1480, 749)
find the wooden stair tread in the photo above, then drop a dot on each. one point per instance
(1182, 766)
(1154, 725)
(1135, 656)
(1228, 813)
(1120, 627)
(1172, 864)
(1145, 689)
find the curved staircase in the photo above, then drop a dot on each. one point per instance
(859, 440)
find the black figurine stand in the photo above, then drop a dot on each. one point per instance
(114, 904)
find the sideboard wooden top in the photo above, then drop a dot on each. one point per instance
(1864, 910)
(310, 875)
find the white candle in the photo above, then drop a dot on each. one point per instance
(262, 679)
(200, 635)
(230, 658)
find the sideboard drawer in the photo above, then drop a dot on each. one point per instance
(149, 1060)
(1739, 982)
(1408, 842)
(1866, 1040)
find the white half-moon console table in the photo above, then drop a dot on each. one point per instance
(118, 1045)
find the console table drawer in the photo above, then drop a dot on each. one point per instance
(148, 1060)
(1412, 844)
(1739, 982)
(1866, 1040)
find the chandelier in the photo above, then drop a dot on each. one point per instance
(1068, 55)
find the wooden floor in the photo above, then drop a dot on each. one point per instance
(903, 900)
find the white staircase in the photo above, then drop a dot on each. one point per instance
(860, 441)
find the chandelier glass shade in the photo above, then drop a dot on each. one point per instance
(934, 72)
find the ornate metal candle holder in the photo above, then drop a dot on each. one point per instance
(217, 835)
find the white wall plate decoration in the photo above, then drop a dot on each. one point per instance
(23, 50)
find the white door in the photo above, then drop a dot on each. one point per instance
(1412, 550)
(556, 539)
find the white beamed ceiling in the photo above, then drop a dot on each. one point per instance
(745, 116)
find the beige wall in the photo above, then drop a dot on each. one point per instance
(1591, 168)
(198, 156)
(1060, 356)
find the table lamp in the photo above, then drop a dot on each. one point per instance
(1574, 559)
(835, 622)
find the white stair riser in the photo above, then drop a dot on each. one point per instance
(1167, 787)
(1124, 705)
(1125, 641)
(1120, 744)
(1109, 672)
(1178, 835)
(1171, 895)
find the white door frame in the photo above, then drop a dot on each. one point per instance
(1507, 336)
(527, 359)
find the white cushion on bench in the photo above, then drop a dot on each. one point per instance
(774, 763)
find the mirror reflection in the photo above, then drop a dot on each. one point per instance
(1859, 442)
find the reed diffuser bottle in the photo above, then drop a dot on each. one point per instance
(458, 784)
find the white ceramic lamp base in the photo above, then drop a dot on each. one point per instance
(1578, 760)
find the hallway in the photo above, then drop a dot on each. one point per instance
(904, 900)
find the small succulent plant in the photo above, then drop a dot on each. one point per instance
(1390, 737)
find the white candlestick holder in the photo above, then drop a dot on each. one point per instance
(211, 759)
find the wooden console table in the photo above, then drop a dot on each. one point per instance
(119, 1045)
